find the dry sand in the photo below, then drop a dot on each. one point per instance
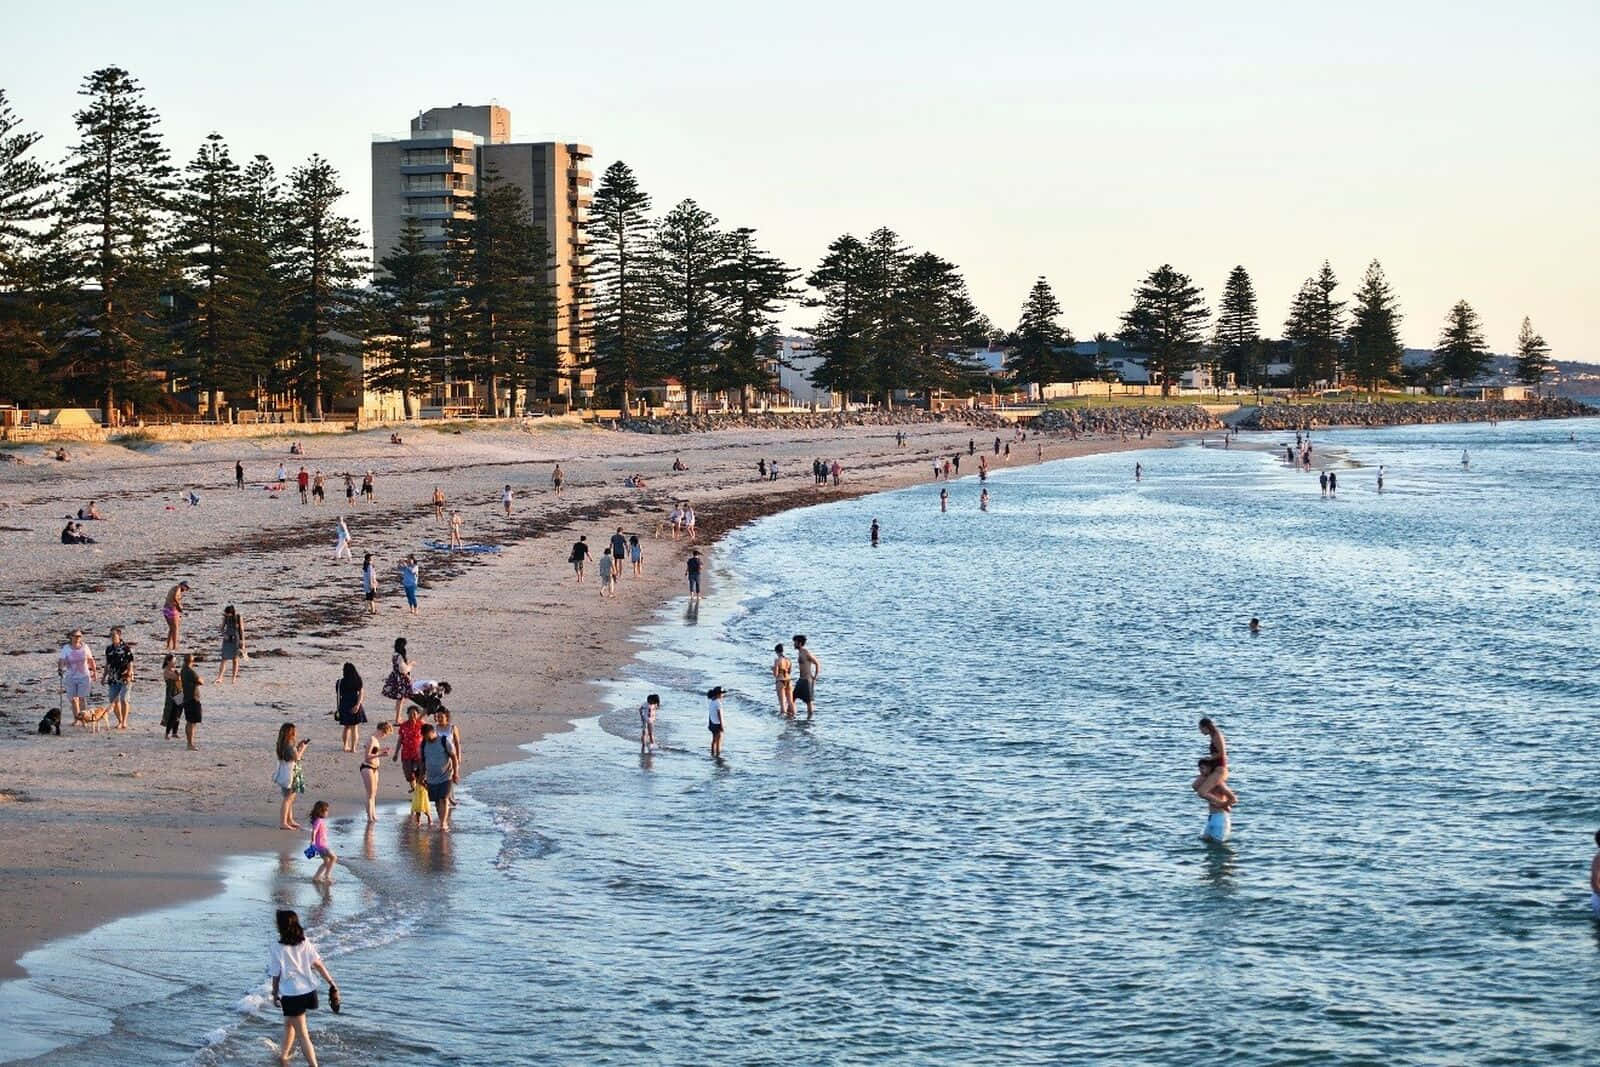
(97, 826)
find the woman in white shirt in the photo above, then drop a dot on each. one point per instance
(291, 964)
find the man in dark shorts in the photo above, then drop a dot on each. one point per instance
(579, 555)
(238, 474)
(408, 753)
(439, 770)
(619, 549)
(189, 680)
(810, 668)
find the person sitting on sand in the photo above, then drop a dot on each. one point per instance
(677, 464)
(90, 512)
(72, 534)
(61, 455)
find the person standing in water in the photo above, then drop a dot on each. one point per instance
(1333, 483)
(691, 570)
(1212, 783)
(1594, 879)
(782, 668)
(983, 500)
(1138, 472)
(944, 501)
(647, 722)
(1380, 477)
(810, 670)
(1322, 480)
(293, 965)
(1464, 461)
(714, 720)
(874, 533)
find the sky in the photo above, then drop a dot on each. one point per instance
(1455, 141)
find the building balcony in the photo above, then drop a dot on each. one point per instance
(437, 167)
(581, 151)
(440, 190)
(582, 178)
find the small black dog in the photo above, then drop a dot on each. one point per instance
(51, 723)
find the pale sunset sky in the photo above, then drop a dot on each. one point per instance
(1455, 141)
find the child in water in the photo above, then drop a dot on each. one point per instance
(419, 803)
(319, 843)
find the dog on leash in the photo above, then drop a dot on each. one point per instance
(93, 718)
(51, 723)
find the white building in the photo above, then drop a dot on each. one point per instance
(798, 361)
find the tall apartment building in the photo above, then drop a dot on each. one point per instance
(434, 174)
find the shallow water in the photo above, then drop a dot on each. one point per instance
(985, 847)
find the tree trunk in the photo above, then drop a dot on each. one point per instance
(627, 398)
(744, 400)
(316, 385)
(406, 403)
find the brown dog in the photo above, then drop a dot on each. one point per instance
(93, 718)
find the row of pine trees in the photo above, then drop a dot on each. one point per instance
(116, 264)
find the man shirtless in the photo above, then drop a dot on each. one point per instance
(810, 670)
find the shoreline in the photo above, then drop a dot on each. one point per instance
(115, 825)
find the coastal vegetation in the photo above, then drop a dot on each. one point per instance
(124, 280)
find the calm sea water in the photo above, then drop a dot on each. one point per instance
(985, 848)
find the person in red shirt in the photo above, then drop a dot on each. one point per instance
(303, 479)
(409, 751)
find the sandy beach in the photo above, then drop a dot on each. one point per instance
(98, 826)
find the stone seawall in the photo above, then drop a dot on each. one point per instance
(207, 431)
(1119, 420)
(1321, 416)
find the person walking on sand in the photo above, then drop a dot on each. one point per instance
(341, 541)
(318, 493)
(366, 488)
(714, 720)
(619, 548)
(608, 574)
(810, 670)
(172, 705)
(303, 481)
(455, 529)
(289, 779)
(349, 489)
(636, 555)
(505, 499)
(172, 611)
(688, 522)
(556, 478)
(438, 503)
(119, 676)
(293, 965)
(370, 765)
(438, 772)
(408, 582)
(397, 686)
(647, 722)
(232, 642)
(782, 668)
(76, 666)
(691, 571)
(349, 694)
(579, 556)
(238, 474)
(369, 583)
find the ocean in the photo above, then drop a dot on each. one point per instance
(985, 847)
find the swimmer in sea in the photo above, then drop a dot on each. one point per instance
(1464, 461)
(874, 533)
(1255, 625)
(1213, 785)
(983, 500)
(1380, 477)
(944, 500)
(1138, 472)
